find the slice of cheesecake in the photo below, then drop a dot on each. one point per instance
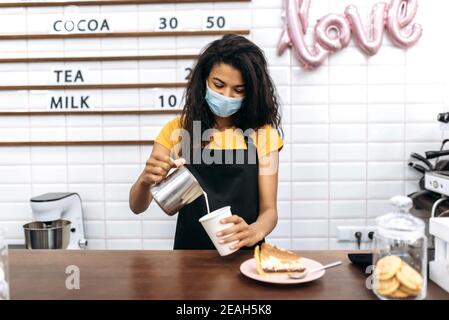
(271, 259)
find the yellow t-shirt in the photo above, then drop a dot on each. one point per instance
(266, 138)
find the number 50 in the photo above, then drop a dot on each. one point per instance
(213, 21)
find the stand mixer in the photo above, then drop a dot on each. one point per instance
(58, 222)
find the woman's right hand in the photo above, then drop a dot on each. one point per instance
(157, 168)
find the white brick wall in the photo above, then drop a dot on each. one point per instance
(350, 125)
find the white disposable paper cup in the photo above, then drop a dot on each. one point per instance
(211, 223)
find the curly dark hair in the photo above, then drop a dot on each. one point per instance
(260, 105)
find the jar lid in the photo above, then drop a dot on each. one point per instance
(400, 223)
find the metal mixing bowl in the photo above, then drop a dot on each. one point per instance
(47, 235)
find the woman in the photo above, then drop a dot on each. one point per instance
(232, 103)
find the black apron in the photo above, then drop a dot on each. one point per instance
(234, 185)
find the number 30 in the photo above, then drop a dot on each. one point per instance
(172, 23)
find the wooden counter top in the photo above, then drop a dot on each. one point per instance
(40, 274)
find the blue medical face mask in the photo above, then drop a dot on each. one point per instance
(220, 105)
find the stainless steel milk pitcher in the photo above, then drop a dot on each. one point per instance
(179, 188)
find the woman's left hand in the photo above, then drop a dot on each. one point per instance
(243, 232)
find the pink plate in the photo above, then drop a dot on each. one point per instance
(248, 268)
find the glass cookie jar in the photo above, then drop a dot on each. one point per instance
(400, 254)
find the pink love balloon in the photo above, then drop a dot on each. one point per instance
(303, 7)
(333, 23)
(407, 12)
(294, 35)
(333, 32)
(369, 41)
(303, 15)
(400, 14)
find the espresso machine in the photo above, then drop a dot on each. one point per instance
(432, 200)
(432, 203)
(58, 222)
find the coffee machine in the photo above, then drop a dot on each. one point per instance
(58, 222)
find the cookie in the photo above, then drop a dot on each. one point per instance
(387, 267)
(410, 292)
(387, 287)
(399, 294)
(409, 278)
